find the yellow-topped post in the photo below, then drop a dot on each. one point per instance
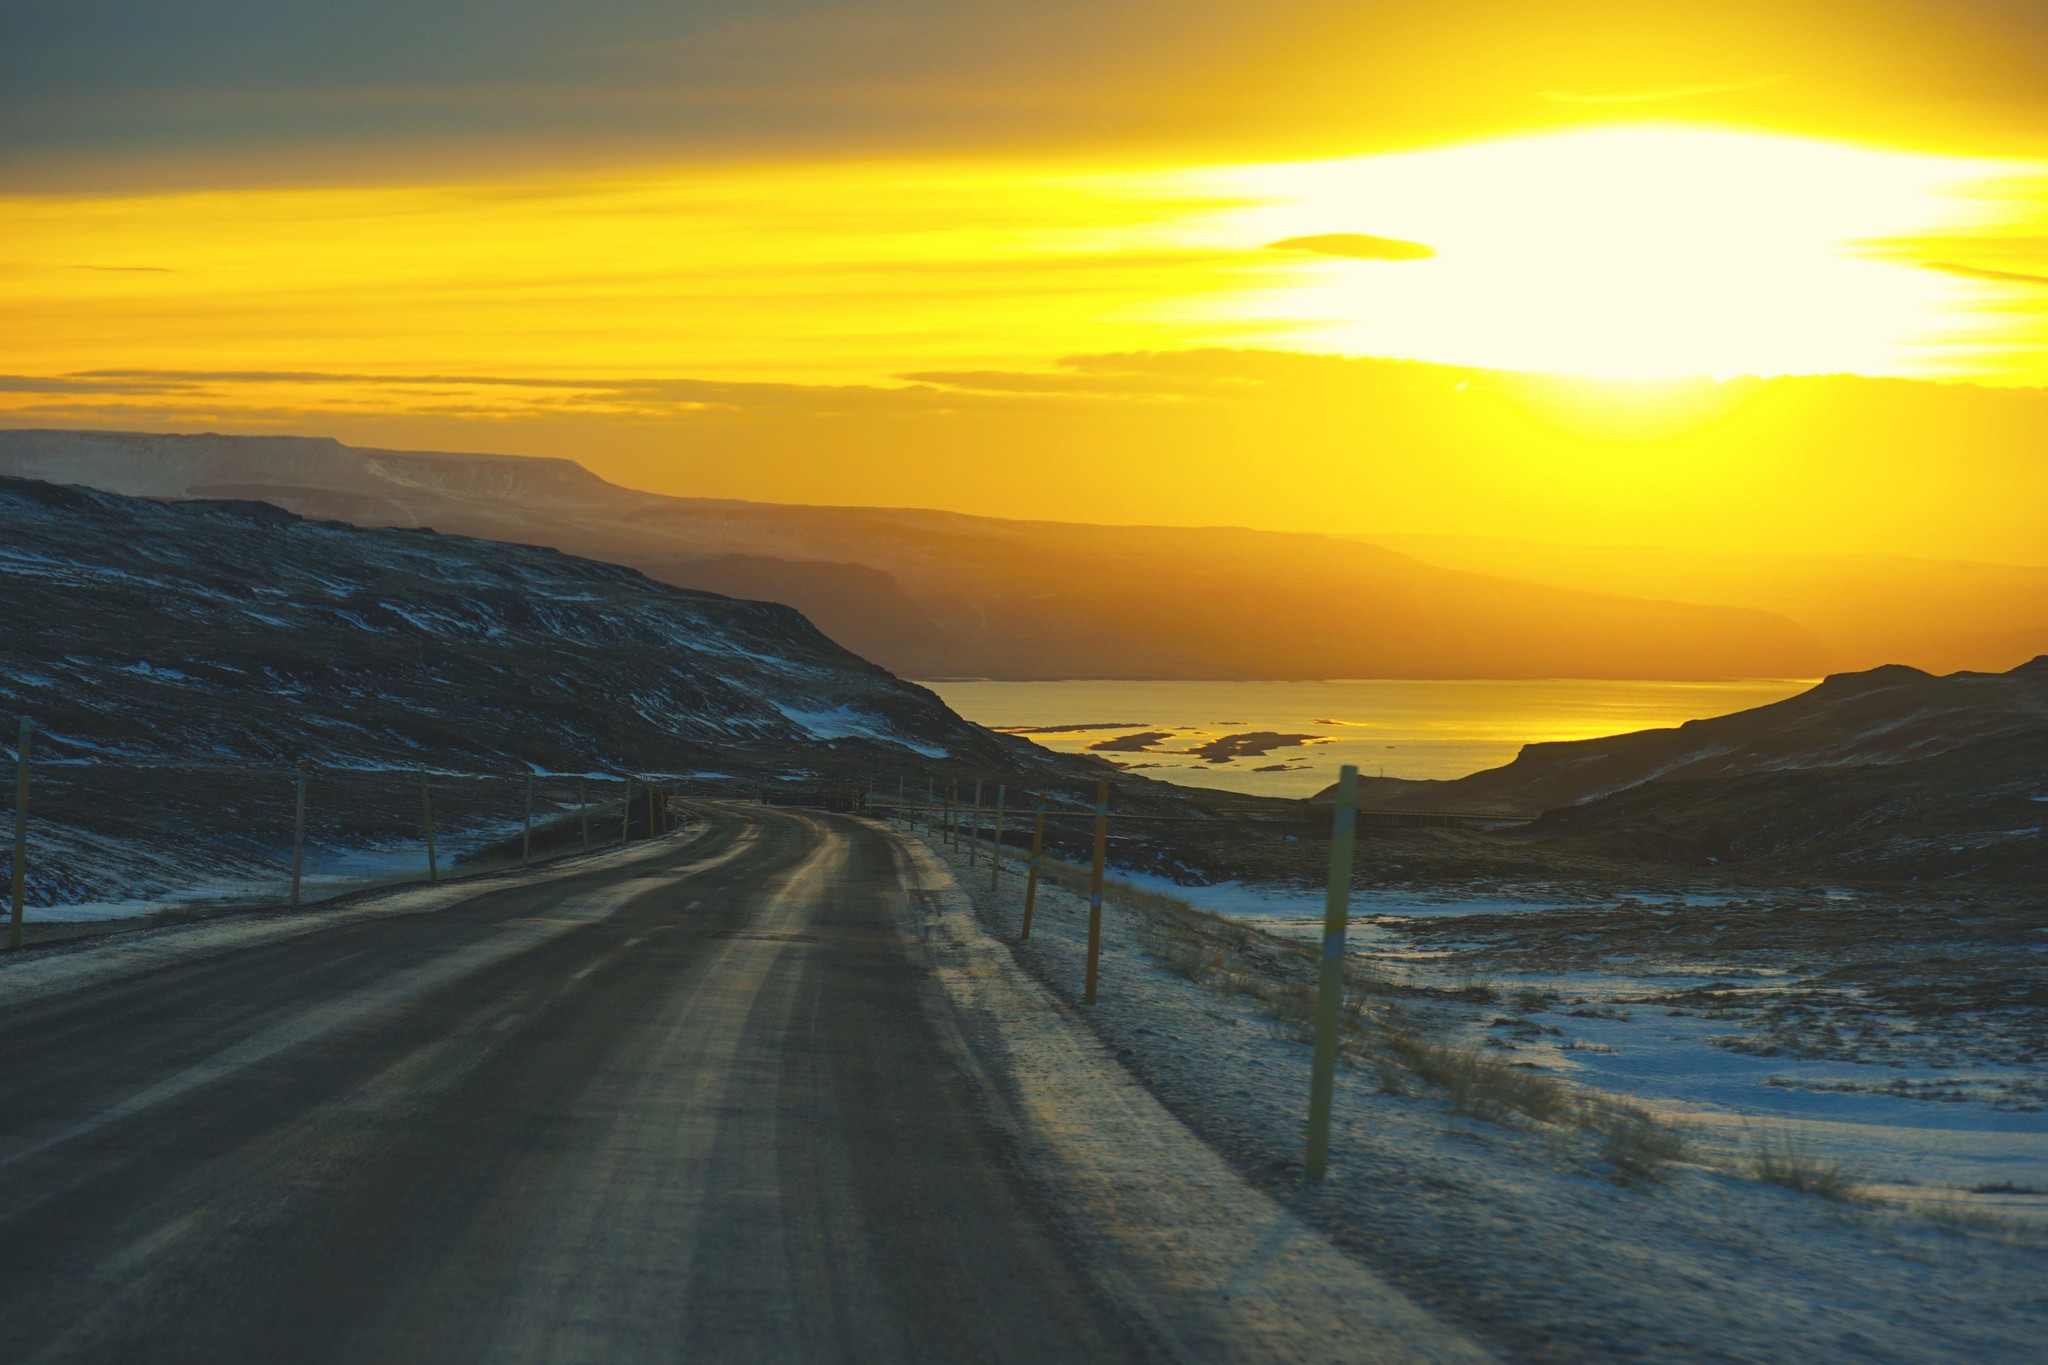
(20, 835)
(299, 835)
(995, 854)
(1330, 993)
(427, 817)
(1031, 873)
(1095, 887)
(974, 829)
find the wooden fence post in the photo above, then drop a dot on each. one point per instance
(931, 826)
(626, 815)
(299, 836)
(427, 815)
(650, 808)
(1330, 993)
(526, 839)
(974, 830)
(897, 814)
(995, 853)
(583, 810)
(20, 835)
(1095, 887)
(1031, 873)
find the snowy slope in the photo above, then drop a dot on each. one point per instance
(178, 660)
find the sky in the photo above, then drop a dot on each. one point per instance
(1111, 261)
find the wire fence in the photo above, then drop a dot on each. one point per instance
(984, 832)
(116, 838)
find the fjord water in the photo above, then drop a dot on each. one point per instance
(1391, 727)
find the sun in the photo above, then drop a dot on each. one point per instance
(1625, 252)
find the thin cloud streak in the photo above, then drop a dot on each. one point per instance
(1975, 272)
(1357, 246)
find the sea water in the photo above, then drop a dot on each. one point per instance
(1391, 728)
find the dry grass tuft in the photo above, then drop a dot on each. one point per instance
(1634, 1141)
(1782, 1159)
(1481, 1086)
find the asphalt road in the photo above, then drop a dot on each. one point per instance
(690, 1108)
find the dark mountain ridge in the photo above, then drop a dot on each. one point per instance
(937, 594)
(179, 659)
(1977, 813)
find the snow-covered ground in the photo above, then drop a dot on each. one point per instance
(1979, 1127)
(1525, 1232)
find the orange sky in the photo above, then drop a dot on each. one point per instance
(852, 252)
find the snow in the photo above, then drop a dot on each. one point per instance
(850, 722)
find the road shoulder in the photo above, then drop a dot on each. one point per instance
(1213, 1267)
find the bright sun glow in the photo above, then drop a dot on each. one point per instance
(1623, 252)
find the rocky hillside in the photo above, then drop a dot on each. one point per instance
(937, 594)
(1885, 716)
(179, 659)
(1978, 813)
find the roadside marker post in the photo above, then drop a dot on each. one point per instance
(952, 815)
(626, 815)
(1330, 993)
(299, 835)
(651, 831)
(1031, 873)
(583, 810)
(20, 835)
(931, 824)
(427, 815)
(995, 853)
(1095, 887)
(526, 838)
(897, 814)
(974, 830)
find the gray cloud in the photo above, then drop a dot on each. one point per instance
(29, 383)
(133, 93)
(1358, 246)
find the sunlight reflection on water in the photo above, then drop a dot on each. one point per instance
(1395, 727)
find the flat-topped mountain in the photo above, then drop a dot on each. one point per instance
(938, 594)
